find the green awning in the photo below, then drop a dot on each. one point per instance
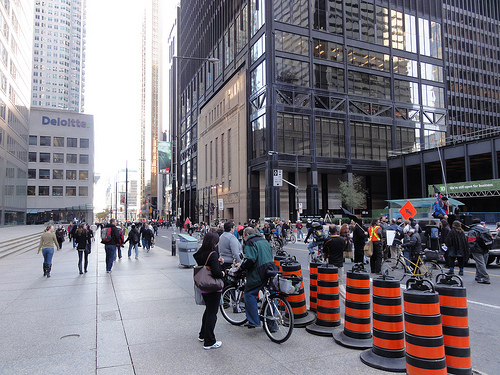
(421, 202)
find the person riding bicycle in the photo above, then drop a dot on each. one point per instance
(278, 235)
(317, 234)
(258, 259)
(286, 228)
(412, 245)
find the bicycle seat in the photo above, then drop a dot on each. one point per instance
(271, 273)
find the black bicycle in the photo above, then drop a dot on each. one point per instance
(275, 311)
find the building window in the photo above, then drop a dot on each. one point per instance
(329, 78)
(33, 140)
(84, 159)
(71, 191)
(44, 174)
(370, 141)
(72, 142)
(83, 191)
(293, 72)
(70, 175)
(259, 137)
(58, 141)
(57, 191)
(258, 78)
(44, 157)
(293, 134)
(31, 190)
(43, 191)
(32, 173)
(84, 143)
(330, 137)
(323, 49)
(57, 174)
(32, 157)
(71, 158)
(45, 140)
(57, 158)
(83, 175)
(291, 43)
(229, 152)
(223, 157)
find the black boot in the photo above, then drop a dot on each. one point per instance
(49, 268)
(45, 269)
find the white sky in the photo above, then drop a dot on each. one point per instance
(113, 83)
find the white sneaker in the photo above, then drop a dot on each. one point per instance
(217, 345)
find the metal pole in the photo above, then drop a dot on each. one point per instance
(297, 183)
(116, 200)
(126, 190)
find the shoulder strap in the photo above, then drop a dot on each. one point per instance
(208, 257)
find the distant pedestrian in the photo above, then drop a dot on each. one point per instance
(375, 235)
(60, 233)
(298, 226)
(83, 241)
(133, 240)
(208, 254)
(480, 250)
(47, 243)
(458, 247)
(110, 243)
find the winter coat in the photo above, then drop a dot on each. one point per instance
(457, 244)
(258, 258)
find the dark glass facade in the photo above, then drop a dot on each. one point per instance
(340, 83)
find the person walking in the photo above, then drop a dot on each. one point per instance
(229, 247)
(60, 233)
(47, 243)
(480, 250)
(83, 240)
(300, 234)
(458, 247)
(208, 254)
(443, 236)
(333, 252)
(133, 241)
(110, 239)
(359, 238)
(375, 235)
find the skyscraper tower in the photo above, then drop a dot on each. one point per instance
(59, 55)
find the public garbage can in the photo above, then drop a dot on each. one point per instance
(187, 246)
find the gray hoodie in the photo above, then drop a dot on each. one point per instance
(229, 248)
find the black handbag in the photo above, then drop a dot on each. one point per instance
(204, 280)
(88, 248)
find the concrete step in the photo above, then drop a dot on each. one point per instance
(19, 245)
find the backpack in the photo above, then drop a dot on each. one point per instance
(434, 233)
(485, 240)
(319, 235)
(106, 235)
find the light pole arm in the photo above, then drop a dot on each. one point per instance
(289, 183)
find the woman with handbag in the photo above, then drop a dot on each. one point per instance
(83, 242)
(208, 256)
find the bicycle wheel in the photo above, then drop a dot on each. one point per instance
(233, 306)
(395, 268)
(293, 239)
(277, 317)
(428, 269)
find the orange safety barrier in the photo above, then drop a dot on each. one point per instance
(425, 352)
(357, 323)
(313, 285)
(297, 301)
(278, 259)
(454, 316)
(388, 350)
(328, 306)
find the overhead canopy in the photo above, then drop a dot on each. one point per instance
(421, 202)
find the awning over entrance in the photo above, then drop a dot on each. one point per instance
(420, 202)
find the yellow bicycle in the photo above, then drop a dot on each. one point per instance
(402, 267)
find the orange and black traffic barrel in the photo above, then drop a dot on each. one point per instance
(454, 317)
(281, 255)
(388, 350)
(297, 301)
(357, 331)
(423, 329)
(313, 285)
(328, 309)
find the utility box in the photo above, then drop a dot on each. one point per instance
(187, 246)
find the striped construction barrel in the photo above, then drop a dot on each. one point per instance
(423, 333)
(387, 352)
(313, 285)
(278, 259)
(454, 318)
(297, 301)
(328, 307)
(357, 323)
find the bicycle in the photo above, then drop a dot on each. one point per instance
(316, 258)
(290, 237)
(275, 311)
(401, 267)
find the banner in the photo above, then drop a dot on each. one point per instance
(164, 157)
(467, 187)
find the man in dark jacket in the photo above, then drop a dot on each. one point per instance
(133, 240)
(333, 251)
(258, 259)
(480, 251)
(412, 244)
(110, 246)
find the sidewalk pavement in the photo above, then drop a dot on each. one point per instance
(139, 319)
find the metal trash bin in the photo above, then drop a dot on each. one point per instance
(187, 246)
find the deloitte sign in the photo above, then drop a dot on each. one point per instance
(69, 122)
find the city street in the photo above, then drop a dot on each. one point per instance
(483, 303)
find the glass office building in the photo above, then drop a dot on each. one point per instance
(332, 86)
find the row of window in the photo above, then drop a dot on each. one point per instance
(44, 157)
(46, 140)
(58, 191)
(58, 174)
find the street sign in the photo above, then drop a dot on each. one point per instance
(407, 210)
(300, 208)
(277, 177)
(221, 204)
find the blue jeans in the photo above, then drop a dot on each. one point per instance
(311, 245)
(300, 235)
(110, 256)
(130, 246)
(251, 308)
(74, 242)
(48, 253)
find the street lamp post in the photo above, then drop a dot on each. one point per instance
(296, 185)
(126, 190)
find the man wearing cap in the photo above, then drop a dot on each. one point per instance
(441, 208)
